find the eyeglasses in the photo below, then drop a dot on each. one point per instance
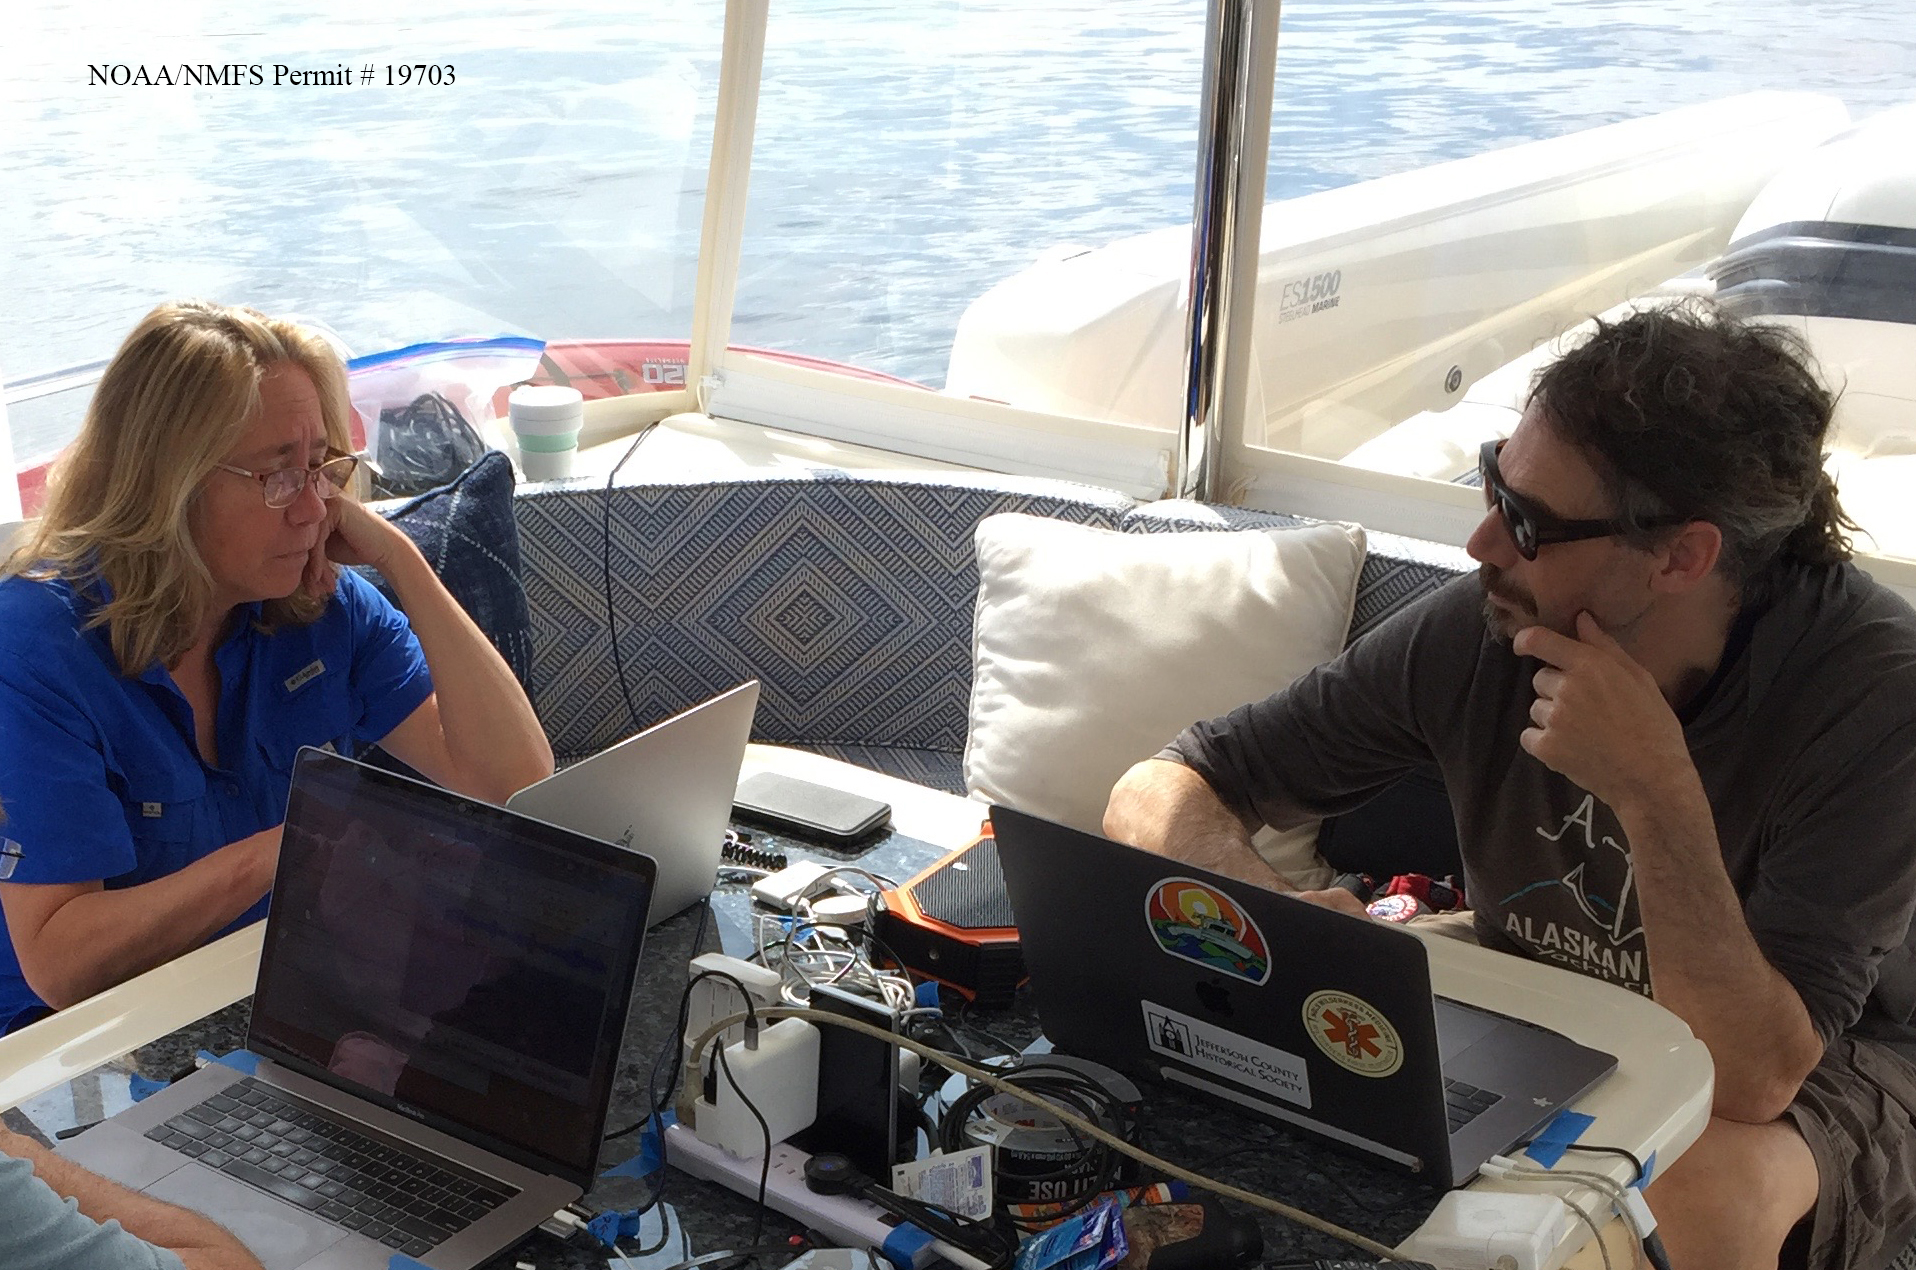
(1531, 527)
(282, 486)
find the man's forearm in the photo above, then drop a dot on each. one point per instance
(492, 736)
(1167, 808)
(1706, 966)
(102, 938)
(201, 1243)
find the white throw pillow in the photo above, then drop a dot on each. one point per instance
(1092, 648)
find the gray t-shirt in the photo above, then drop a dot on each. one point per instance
(41, 1231)
(1805, 740)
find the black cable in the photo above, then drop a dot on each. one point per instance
(996, 1244)
(665, 1233)
(924, 1029)
(989, 1244)
(1652, 1242)
(751, 1030)
(1098, 1165)
(605, 563)
(874, 944)
(674, 1047)
(1004, 1046)
(765, 1164)
(754, 1249)
(1635, 1163)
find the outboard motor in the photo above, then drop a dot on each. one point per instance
(1830, 246)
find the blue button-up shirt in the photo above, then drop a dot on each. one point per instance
(100, 774)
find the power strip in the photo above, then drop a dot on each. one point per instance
(845, 1218)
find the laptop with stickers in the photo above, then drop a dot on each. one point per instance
(1305, 1016)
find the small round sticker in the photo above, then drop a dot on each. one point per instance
(1353, 1034)
(1394, 908)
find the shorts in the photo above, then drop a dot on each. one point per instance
(1857, 1112)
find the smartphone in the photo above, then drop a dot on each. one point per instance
(808, 810)
(857, 1087)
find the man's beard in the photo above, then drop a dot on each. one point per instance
(1504, 622)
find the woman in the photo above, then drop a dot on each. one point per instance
(176, 627)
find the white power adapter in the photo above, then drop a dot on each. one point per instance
(714, 999)
(784, 889)
(779, 1077)
(1491, 1230)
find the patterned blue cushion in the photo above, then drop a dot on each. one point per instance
(468, 535)
(849, 595)
(1396, 570)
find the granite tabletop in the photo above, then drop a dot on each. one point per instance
(693, 1217)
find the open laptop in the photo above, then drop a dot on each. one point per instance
(666, 791)
(1295, 1012)
(434, 1034)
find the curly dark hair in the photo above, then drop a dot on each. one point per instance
(1690, 412)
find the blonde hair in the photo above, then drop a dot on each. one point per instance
(175, 399)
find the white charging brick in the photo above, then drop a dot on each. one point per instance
(779, 1078)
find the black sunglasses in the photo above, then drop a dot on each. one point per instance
(1531, 527)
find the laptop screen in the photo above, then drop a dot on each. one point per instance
(462, 964)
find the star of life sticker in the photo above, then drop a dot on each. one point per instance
(1198, 923)
(1353, 1033)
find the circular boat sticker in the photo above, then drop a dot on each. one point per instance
(1353, 1034)
(1202, 925)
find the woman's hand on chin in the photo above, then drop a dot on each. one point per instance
(321, 574)
(351, 534)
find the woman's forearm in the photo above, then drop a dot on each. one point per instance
(73, 947)
(493, 740)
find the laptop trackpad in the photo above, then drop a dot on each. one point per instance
(278, 1234)
(1459, 1027)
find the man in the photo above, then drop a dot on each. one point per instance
(55, 1215)
(1678, 730)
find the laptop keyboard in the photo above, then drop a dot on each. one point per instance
(1464, 1103)
(298, 1152)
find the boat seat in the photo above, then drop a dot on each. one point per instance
(850, 596)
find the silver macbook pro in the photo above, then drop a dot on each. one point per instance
(434, 1034)
(666, 791)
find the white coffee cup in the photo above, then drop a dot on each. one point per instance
(546, 418)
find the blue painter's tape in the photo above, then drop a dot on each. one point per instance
(141, 1088)
(1558, 1136)
(400, 1261)
(1649, 1171)
(611, 1227)
(651, 1156)
(242, 1061)
(904, 1244)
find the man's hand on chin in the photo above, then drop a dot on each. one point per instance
(1600, 718)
